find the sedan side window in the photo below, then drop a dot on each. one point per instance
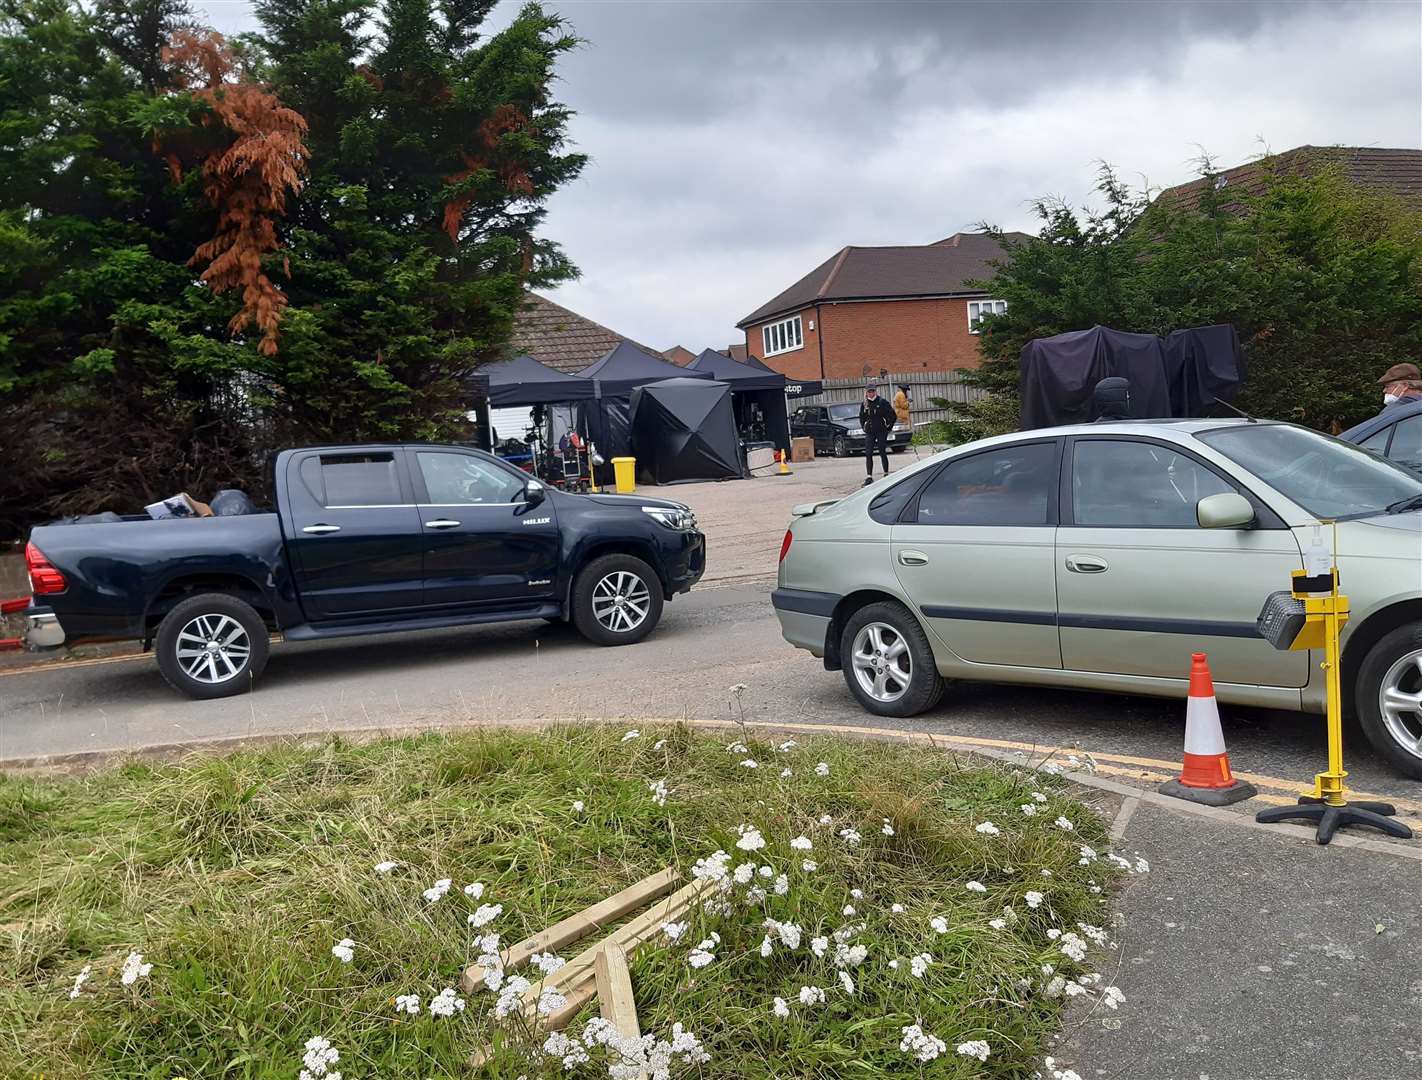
(462, 479)
(1013, 485)
(1377, 441)
(1406, 445)
(1138, 485)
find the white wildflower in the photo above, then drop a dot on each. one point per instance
(1074, 989)
(919, 965)
(811, 995)
(739, 689)
(750, 763)
(819, 945)
(437, 890)
(1142, 867)
(850, 836)
(1064, 824)
(787, 746)
(1088, 856)
(849, 909)
(702, 954)
(897, 909)
(801, 843)
(849, 955)
(975, 886)
(1112, 997)
(80, 980)
(1073, 947)
(939, 924)
(510, 996)
(750, 839)
(659, 744)
(407, 1003)
(809, 865)
(822, 769)
(766, 946)
(550, 1000)
(658, 789)
(320, 1056)
(344, 950)
(1046, 873)
(674, 930)
(737, 748)
(998, 924)
(987, 828)
(385, 867)
(633, 734)
(1051, 768)
(447, 1003)
(743, 873)
(474, 890)
(485, 914)
(782, 885)
(579, 806)
(1095, 933)
(1034, 898)
(887, 828)
(1037, 796)
(567, 1050)
(785, 774)
(1055, 987)
(766, 872)
(789, 933)
(846, 982)
(975, 1048)
(779, 1007)
(921, 1044)
(548, 962)
(1029, 809)
(712, 868)
(134, 969)
(894, 964)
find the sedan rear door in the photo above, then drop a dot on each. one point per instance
(1141, 586)
(974, 551)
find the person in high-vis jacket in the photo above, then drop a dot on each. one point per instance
(877, 418)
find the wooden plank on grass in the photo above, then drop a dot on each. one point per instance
(580, 925)
(614, 994)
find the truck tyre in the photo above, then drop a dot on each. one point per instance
(1389, 698)
(212, 645)
(841, 446)
(617, 600)
(888, 662)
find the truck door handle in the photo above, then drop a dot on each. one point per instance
(441, 523)
(321, 530)
(1086, 564)
(913, 558)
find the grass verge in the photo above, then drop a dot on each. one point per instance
(234, 876)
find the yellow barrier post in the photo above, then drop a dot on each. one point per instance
(1324, 614)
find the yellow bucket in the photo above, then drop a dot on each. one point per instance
(624, 470)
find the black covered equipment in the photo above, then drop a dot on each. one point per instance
(524, 381)
(685, 429)
(1177, 376)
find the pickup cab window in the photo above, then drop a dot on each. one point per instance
(462, 479)
(360, 480)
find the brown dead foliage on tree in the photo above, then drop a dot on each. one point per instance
(254, 157)
(506, 118)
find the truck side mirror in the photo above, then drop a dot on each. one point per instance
(533, 493)
(1227, 510)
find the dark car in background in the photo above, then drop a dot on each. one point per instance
(836, 430)
(362, 540)
(1395, 433)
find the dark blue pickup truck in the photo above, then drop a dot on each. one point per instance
(364, 540)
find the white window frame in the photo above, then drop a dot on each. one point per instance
(978, 308)
(782, 336)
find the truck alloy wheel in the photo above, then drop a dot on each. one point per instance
(616, 600)
(211, 646)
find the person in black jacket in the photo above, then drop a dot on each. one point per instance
(877, 418)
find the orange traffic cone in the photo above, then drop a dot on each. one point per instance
(1205, 776)
(783, 457)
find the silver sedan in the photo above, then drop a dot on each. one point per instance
(1102, 556)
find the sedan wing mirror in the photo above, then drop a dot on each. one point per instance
(1228, 510)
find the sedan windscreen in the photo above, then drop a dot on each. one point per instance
(1328, 478)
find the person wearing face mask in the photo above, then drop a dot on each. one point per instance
(1400, 383)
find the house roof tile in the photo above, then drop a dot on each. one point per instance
(1395, 170)
(561, 339)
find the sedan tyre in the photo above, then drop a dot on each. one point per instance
(617, 600)
(887, 661)
(1389, 698)
(211, 646)
(841, 446)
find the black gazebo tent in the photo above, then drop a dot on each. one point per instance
(524, 381)
(755, 390)
(620, 371)
(685, 429)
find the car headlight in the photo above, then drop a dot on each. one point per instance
(857, 433)
(673, 517)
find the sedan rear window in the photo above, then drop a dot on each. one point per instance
(1328, 478)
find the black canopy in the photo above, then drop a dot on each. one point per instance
(740, 376)
(622, 368)
(685, 429)
(524, 381)
(1180, 375)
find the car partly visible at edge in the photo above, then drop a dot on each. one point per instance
(362, 540)
(1395, 433)
(1102, 556)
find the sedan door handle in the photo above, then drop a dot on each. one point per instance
(441, 523)
(1086, 564)
(321, 530)
(913, 558)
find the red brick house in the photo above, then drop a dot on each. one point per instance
(867, 309)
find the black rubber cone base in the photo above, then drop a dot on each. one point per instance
(1332, 818)
(1216, 796)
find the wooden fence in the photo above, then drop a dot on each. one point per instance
(923, 386)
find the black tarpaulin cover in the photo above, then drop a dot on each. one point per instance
(685, 429)
(740, 376)
(524, 381)
(1057, 374)
(624, 367)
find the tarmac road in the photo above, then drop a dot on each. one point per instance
(708, 641)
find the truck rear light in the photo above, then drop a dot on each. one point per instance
(44, 578)
(785, 544)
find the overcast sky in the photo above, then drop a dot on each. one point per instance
(735, 145)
